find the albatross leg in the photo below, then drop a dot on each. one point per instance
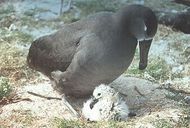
(69, 107)
(57, 76)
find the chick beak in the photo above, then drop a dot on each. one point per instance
(94, 101)
(144, 50)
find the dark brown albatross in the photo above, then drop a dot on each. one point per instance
(94, 50)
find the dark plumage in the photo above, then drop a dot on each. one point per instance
(94, 50)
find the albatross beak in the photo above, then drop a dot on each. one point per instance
(144, 49)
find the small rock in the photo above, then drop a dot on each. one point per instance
(149, 77)
(186, 52)
(12, 27)
(46, 16)
(178, 69)
(140, 2)
(187, 99)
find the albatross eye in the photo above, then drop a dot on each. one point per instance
(145, 28)
(99, 94)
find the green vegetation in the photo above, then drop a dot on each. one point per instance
(13, 63)
(13, 55)
(68, 17)
(162, 123)
(15, 37)
(31, 23)
(7, 16)
(92, 6)
(84, 124)
(157, 68)
(88, 7)
(7, 9)
(34, 11)
(5, 87)
(25, 117)
(184, 119)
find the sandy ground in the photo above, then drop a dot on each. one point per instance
(145, 98)
(46, 110)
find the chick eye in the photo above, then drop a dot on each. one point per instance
(100, 110)
(99, 94)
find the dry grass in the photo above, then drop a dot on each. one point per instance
(21, 118)
(13, 60)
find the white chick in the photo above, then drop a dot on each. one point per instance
(100, 110)
(107, 104)
(103, 91)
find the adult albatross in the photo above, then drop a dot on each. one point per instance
(94, 50)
